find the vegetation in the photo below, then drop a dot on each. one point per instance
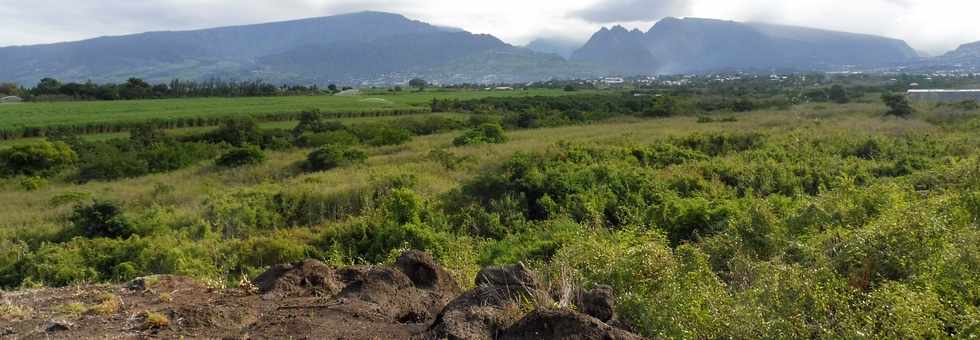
(332, 156)
(248, 155)
(823, 220)
(49, 89)
(86, 117)
(898, 105)
(487, 133)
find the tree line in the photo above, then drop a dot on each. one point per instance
(136, 88)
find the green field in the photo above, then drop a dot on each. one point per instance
(19, 116)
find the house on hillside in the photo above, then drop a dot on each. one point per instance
(944, 96)
(11, 99)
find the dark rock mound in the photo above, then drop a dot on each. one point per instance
(515, 277)
(493, 310)
(598, 303)
(401, 299)
(307, 278)
(424, 272)
(492, 306)
(564, 324)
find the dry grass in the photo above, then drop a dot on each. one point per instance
(111, 304)
(73, 309)
(10, 312)
(156, 320)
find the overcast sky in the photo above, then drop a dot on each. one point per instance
(934, 26)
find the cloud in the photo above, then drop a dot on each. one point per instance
(609, 11)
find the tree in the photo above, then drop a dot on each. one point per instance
(135, 88)
(9, 89)
(838, 94)
(101, 219)
(418, 83)
(332, 88)
(898, 105)
(47, 86)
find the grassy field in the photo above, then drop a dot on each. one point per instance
(17, 116)
(265, 125)
(32, 208)
(813, 221)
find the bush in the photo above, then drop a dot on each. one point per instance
(41, 159)
(898, 105)
(380, 134)
(332, 156)
(338, 137)
(101, 219)
(484, 134)
(105, 161)
(249, 155)
(235, 132)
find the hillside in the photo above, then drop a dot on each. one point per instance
(703, 45)
(968, 54)
(350, 48)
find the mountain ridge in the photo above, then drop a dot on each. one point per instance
(373, 48)
(346, 41)
(692, 45)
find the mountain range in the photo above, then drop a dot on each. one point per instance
(693, 45)
(382, 48)
(352, 48)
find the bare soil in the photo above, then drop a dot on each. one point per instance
(412, 299)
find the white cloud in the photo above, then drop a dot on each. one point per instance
(932, 25)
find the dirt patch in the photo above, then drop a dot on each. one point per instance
(413, 298)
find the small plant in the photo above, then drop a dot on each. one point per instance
(247, 155)
(156, 320)
(74, 309)
(448, 160)
(166, 297)
(33, 183)
(110, 305)
(12, 312)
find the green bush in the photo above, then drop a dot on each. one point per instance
(101, 219)
(41, 159)
(338, 137)
(332, 156)
(898, 105)
(244, 156)
(484, 134)
(381, 134)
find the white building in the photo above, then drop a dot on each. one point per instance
(11, 99)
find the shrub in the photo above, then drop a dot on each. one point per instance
(41, 159)
(898, 105)
(248, 155)
(235, 132)
(380, 134)
(101, 219)
(332, 156)
(484, 134)
(338, 137)
(33, 183)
